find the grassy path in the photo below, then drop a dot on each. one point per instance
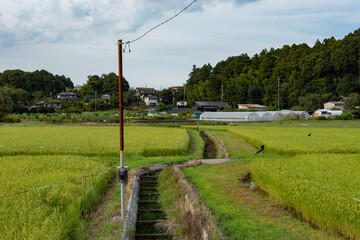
(242, 213)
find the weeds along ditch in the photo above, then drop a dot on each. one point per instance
(187, 216)
(46, 172)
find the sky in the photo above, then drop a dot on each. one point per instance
(78, 38)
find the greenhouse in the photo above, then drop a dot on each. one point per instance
(254, 116)
(230, 116)
(265, 116)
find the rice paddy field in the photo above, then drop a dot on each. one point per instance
(53, 211)
(90, 140)
(322, 188)
(47, 171)
(315, 177)
(292, 141)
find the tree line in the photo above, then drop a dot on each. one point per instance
(20, 89)
(305, 77)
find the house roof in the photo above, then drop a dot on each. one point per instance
(145, 89)
(67, 94)
(252, 105)
(336, 102)
(211, 104)
(330, 111)
(40, 103)
(184, 109)
(152, 97)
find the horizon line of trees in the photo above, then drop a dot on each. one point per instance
(304, 76)
(20, 89)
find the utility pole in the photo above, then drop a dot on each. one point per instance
(184, 93)
(95, 100)
(122, 171)
(222, 90)
(173, 97)
(278, 93)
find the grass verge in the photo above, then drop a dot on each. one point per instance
(187, 216)
(244, 214)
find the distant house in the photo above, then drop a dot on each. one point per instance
(210, 106)
(181, 103)
(151, 101)
(53, 104)
(342, 98)
(334, 104)
(143, 92)
(327, 113)
(45, 104)
(175, 88)
(339, 104)
(251, 107)
(106, 98)
(88, 100)
(67, 96)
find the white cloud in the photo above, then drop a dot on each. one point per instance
(78, 37)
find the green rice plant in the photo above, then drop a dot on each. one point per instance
(320, 188)
(292, 141)
(90, 141)
(56, 211)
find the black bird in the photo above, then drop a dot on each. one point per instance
(261, 149)
(309, 135)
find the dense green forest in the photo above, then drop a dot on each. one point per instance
(306, 74)
(19, 89)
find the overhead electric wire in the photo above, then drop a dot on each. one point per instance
(128, 42)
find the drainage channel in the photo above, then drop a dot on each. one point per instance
(150, 218)
(210, 151)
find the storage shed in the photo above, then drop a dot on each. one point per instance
(230, 116)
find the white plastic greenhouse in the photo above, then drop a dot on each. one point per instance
(253, 116)
(265, 116)
(229, 116)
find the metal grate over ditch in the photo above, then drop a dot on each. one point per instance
(151, 219)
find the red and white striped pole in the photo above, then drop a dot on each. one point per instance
(121, 125)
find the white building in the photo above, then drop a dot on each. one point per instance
(181, 103)
(251, 107)
(68, 96)
(327, 113)
(151, 100)
(334, 104)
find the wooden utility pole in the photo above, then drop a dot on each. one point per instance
(278, 93)
(121, 125)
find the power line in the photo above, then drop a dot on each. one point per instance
(161, 23)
